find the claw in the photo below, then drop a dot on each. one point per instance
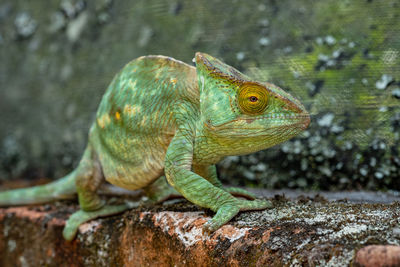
(207, 228)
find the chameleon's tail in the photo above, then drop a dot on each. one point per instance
(61, 189)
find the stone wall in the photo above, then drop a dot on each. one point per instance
(299, 232)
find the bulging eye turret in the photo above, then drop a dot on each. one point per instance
(252, 99)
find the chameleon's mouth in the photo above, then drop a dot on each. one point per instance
(299, 121)
(304, 120)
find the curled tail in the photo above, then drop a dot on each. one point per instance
(61, 189)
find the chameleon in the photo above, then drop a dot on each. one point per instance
(161, 126)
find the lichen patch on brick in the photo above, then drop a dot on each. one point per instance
(184, 225)
(231, 233)
(89, 227)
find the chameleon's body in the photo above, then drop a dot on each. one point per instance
(161, 116)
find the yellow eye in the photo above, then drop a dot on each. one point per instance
(253, 99)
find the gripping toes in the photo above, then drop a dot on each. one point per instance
(226, 212)
(240, 192)
(258, 204)
(80, 217)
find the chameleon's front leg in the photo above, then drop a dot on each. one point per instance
(209, 172)
(197, 189)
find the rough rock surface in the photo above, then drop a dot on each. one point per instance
(301, 232)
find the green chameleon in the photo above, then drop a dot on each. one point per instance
(161, 118)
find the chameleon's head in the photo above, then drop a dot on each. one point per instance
(257, 114)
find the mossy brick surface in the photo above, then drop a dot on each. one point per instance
(303, 231)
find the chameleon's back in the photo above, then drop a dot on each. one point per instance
(135, 120)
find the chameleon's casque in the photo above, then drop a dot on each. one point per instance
(163, 118)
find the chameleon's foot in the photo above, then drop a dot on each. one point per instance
(228, 211)
(239, 192)
(81, 216)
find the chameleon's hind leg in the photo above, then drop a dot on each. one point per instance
(160, 191)
(209, 172)
(88, 180)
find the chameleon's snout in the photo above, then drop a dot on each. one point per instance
(306, 120)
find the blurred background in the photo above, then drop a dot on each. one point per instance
(341, 58)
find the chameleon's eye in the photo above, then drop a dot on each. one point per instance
(253, 99)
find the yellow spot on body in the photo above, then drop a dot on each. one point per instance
(173, 80)
(153, 93)
(144, 121)
(103, 120)
(132, 84)
(131, 110)
(117, 115)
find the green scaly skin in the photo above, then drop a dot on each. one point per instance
(163, 118)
